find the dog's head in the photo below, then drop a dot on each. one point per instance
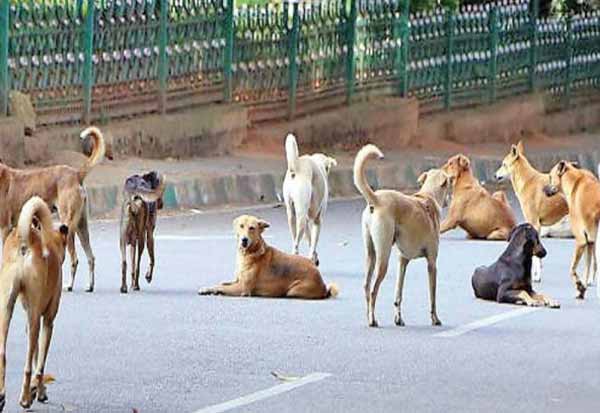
(438, 183)
(556, 177)
(525, 237)
(505, 170)
(325, 161)
(248, 230)
(457, 165)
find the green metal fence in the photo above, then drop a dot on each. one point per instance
(86, 60)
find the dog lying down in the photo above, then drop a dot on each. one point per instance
(264, 271)
(508, 280)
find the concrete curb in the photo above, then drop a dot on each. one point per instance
(265, 188)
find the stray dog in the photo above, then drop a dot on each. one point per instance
(582, 191)
(306, 191)
(508, 280)
(264, 271)
(60, 186)
(411, 222)
(481, 215)
(142, 197)
(32, 260)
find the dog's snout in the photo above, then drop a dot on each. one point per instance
(540, 251)
(244, 242)
(550, 190)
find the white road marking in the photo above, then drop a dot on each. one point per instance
(484, 322)
(215, 237)
(264, 394)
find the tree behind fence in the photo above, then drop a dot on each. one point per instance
(86, 60)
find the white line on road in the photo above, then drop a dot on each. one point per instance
(215, 237)
(264, 394)
(484, 322)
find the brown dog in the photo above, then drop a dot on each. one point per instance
(528, 183)
(141, 200)
(60, 186)
(582, 192)
(264, 271)
(481, 215)
(31, 270)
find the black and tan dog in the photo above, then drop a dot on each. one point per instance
(31, 271)
(508, 280)
(142, 197)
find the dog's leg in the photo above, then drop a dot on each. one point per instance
(7, 305)
(579, 248)
(84, 237)
(500, 234)
(402, 264)
(588, 264)
(307, 289)
(369, 267)
(549, 302)
(150, 245)
(301, 224)
(73, 255)
(432, 271)
(133, 262)
(314, 239)
(47, 328)
(123, 248)
(506, 295)
(140, 251)
(235, 290)
(34, 332)
(383, 238)
(291, 215)
(536, 269)
(450, 222)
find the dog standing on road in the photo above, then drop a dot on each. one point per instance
(32, 259)
(142, 197)
(582, 192)
(481, 215)
(305, 192)
(264, 271)
(508, 280)
(60, 186)
(411, 222)
(528, 183)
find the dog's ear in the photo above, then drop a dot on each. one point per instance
(421, 179)
(520, 148)
(262, 224)
(463, 161)
(575, 164)
(562, 168)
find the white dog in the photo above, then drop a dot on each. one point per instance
(305, 192)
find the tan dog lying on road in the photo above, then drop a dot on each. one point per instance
(32, 259)
(411, 222)
(582, 192)
(481, 215)
(306, 192)
(528, 183)
(60, 186)
(264, 271)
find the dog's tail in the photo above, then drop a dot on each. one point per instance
(291, 153)
(332, 290)
(360, 177)
(34, 207)
(98, 151)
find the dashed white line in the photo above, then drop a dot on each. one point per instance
(264, 394)
(484, 322)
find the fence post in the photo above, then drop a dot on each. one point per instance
(350, 59)
(88, 63)
(404, 47)
(493, 70)
(293, 55)
(228, 58)
(163, 64)
(449, 53)
(569, 61)
(534, 13)
(4, 29)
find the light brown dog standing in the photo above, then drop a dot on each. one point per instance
(582, 192)
(60, 186)
(528, 183)
(411, 222)
(31, 271)
(264, 271)
(481, 215)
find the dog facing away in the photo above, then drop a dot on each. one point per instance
(481, 215)
(411, 222)
(60, 186)
(528, 183)
(264, 271)
(31, 271)
(582, 192)
(305, 192)
(508, 280)
(142, 197)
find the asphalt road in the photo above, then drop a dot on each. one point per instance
(166, 349)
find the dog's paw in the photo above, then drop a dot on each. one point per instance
(90, 289)
(123, 290)
(206, 291)
(580, 290)
(26, 402)
(553, 304)
(148, 278)
(68, 289)
(398, 320)
(435, 321)
(135, 288)
(535, 303)
(2, 401)
(373, 323)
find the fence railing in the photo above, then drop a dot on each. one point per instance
(86, 60)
